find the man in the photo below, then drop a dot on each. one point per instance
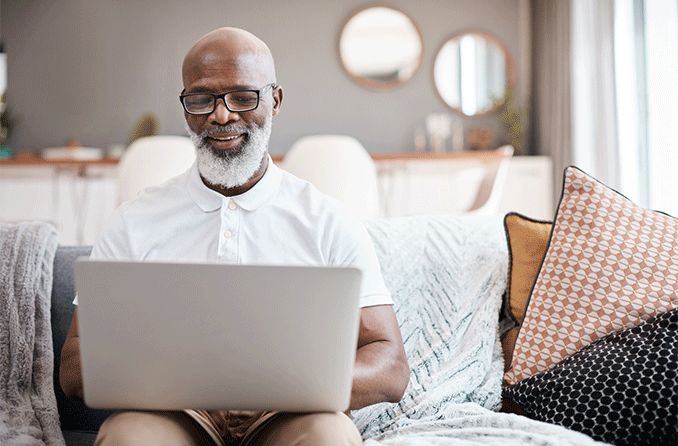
(234, 205)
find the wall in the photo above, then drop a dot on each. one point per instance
(88, 69)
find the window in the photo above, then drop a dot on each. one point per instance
(646, 83)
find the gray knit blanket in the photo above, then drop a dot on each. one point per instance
(447, 276)
(28, 411)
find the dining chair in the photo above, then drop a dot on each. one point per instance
(487, 198)
(151, 161)
(339, 166)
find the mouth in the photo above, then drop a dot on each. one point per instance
(226, 141)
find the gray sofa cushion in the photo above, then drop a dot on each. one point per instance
(75, 416)
(79, 438)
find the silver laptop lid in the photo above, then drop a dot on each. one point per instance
(171, 336)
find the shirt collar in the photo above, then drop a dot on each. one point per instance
(209, 200)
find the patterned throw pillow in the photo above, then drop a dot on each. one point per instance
(527, 241)
(622, 389)
(610, 265)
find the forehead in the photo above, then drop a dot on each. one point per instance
(219, 71)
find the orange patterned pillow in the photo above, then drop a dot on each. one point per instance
(610, 265)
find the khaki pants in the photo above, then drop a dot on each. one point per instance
(177, 428)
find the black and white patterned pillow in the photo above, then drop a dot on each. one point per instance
(622, 389)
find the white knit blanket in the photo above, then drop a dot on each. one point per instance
(447, 276)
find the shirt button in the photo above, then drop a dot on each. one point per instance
(227, 233)
(232, 206)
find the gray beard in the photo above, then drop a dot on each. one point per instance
(231, 169)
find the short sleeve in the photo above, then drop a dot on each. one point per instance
(112, 243)
(352, 246)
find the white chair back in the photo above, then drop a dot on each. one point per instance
(491, 188)
(151, 161)
(340, 167)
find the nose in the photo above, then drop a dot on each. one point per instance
(221, 115)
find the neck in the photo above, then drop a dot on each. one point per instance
(231, 191)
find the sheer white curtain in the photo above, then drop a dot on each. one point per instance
(660, 20)
(631, 101)
(605, 93)
(625, 97)
(625, 102)
(594, 103)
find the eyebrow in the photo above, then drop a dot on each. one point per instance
(203, 89)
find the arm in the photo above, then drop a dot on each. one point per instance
(70, 376)
(381, 369)
(111, 244)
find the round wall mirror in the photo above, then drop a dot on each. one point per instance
(471, 73)
(380, 47)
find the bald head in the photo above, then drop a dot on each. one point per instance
(229, 48)
(232, 125)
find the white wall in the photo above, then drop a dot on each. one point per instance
(87, 69)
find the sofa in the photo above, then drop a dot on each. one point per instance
(447, 276)
(451, 270)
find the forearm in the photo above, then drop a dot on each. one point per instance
(380, 375)
(70, 376)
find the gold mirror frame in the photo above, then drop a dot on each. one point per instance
(366, 82)
(510, 80)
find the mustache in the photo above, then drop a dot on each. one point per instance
(218, 129)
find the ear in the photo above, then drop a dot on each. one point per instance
(277, 99)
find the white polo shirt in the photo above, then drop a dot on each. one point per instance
(282, 220)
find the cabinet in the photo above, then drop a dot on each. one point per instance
(76, 202)
(449, 186)
(79, 197)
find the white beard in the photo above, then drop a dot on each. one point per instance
(231, 169)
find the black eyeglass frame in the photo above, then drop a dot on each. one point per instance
(222, 96)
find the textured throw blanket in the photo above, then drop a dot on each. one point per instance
(28, 412)
(447, 276)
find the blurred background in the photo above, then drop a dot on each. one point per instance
(429, 89)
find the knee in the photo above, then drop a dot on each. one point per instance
(132, 429)
(334, 429)
(119, 428)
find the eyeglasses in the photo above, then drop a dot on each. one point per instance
(235, 101)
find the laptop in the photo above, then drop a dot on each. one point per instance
(171, 336)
